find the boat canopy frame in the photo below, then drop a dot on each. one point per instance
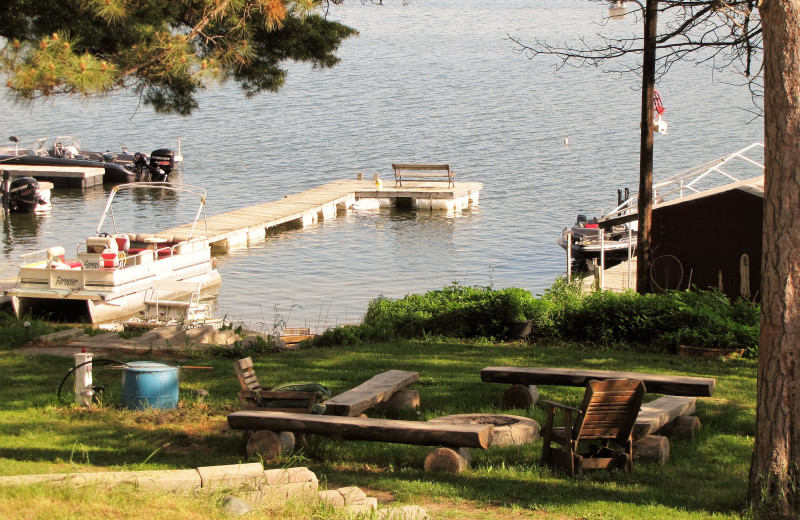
(684, 184)
(164, 186)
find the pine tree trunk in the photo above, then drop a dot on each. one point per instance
(776, 459)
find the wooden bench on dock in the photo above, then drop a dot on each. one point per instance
(423, 172)
(453, 438)
(668, 415)
(378, 389)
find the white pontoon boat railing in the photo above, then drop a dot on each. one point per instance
(164, 186)
(686, 183)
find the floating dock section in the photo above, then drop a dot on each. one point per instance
(61, 177)
(246, 225)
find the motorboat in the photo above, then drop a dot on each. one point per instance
(27, 195)
(587, 240)
(112, 271)
(66, 152)
(584, 239)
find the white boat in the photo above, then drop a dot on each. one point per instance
(586, 240)
(112, 271)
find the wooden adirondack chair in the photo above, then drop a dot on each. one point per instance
(253, 395)
(604, 421)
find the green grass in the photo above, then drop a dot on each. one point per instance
(704, 478)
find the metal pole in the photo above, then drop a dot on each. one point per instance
(645, 207)
(602, 257)
(6, 194)
(569, 256)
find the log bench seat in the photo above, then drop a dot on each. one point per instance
(375, 390)
(654, 383)
(434, 172)
(660, 413)
(454, 439)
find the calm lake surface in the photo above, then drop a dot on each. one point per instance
(435, 81)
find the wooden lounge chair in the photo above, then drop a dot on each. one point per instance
(254, 396)
(604, 421)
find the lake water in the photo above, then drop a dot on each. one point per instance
(435, 81)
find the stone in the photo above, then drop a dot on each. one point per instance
(235, 506)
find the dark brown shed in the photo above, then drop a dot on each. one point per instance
(712, 239)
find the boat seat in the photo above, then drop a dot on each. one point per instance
(99, 244)
(123, 242)
(56, 259)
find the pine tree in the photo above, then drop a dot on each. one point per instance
(165, 51)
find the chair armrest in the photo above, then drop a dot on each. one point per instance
(553, 404)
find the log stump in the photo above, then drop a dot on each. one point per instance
(448, 460)
(520, 396)
(399, 402)
(269, 445)
(683, 427)
(653, 448)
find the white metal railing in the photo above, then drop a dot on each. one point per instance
(686, 183)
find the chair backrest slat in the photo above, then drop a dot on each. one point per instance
(247, 375)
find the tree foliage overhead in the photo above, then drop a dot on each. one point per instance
(722, 34)
(164, 50)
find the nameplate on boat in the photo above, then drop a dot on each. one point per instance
(66, 279)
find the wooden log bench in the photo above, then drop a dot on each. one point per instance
(378, 389)
(423, 172)
(654, 383)
(453, 438)
(669, 415)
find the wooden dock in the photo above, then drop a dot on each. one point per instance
(242, 226)
(617, 279)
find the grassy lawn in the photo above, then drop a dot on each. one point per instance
(704, 478)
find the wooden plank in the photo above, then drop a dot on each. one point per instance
(661, 412)
(369, 393)
(654, 383)
(420, 433)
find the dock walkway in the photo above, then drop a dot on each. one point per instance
(242, 226)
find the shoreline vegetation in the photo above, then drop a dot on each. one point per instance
(447, 336)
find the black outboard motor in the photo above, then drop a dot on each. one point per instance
(163, 158)
(157, 168)
(24, 195)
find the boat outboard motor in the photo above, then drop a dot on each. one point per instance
(163, 158)
(145, 170)
(25, 195)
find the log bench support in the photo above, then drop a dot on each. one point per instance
(453, 437)
(668, 416)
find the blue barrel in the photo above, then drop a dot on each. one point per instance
(148, 384)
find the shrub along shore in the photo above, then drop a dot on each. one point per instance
(447, 336)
